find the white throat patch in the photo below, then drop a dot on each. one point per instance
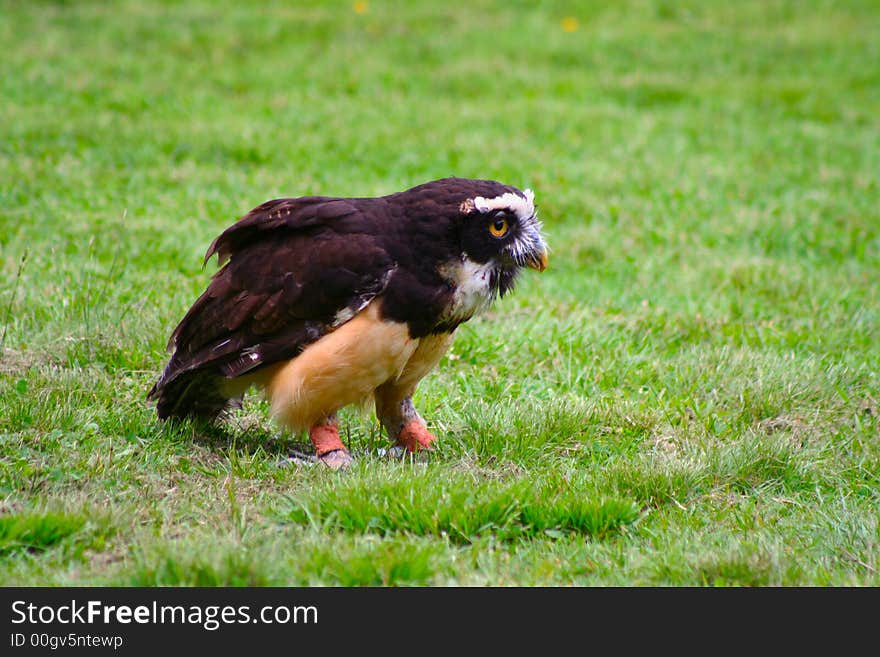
(522, 207)
(473, 289)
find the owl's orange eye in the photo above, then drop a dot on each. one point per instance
(499, 227)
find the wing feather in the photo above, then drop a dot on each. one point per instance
(292, 270)
(293, 213)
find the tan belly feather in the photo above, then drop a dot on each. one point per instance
(342, 368)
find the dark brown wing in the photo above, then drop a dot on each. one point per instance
(295, 270)
(298, 214)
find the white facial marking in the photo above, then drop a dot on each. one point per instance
(523, 208)
(529, 239)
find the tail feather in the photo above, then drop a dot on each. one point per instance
(195, 394)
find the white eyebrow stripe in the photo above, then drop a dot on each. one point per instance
(522, 207)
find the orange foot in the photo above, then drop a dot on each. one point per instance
(414, 437)
(328, 447)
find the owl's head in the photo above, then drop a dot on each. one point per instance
(504, 230)
(484, 232)
(479, 234)
(475, 236)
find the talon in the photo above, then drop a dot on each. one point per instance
(395, 452)
(415, 437)
(338, 459)
(299, 459)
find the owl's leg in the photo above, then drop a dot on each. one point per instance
(395, 410)
(328, 446)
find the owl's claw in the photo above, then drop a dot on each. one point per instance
(338, 459)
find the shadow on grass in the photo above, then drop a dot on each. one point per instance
(224, 435)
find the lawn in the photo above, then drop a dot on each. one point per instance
(689, 395)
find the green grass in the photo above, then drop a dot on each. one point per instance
(688, 396)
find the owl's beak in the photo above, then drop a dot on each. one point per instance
(538, 261)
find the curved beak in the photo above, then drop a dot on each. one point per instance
(538, 261)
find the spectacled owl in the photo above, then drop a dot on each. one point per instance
(323, 302)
